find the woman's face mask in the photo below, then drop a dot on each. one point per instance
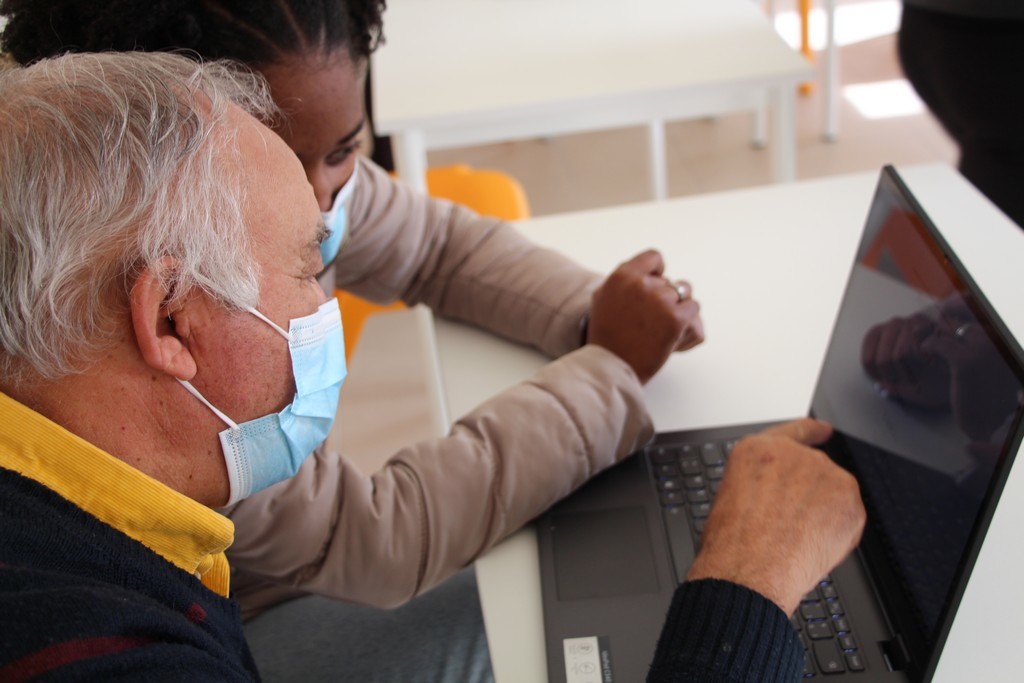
(269, 449)
(336, 220)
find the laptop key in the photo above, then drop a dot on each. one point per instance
(716, 472)
(672, 484)
(835, 608)
(694, 482)
(700, 510)
(828, 657)
(812, 611)
(690, 466)
(841, 625)
(668, 469)
(855, 662)
(808, 667)
(698, 496)
(848, 642)
(663, 454)
(711, 454)
(818, 630)
(671, 498)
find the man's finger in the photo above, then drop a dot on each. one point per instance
(808, 431)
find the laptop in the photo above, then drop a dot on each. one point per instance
(930, 438)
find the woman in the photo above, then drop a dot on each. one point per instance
(964, 58)
(437, 505)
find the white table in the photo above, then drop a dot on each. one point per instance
(768, 266)
(462, 72)
(392, 394)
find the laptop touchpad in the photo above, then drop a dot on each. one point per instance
(602, 553)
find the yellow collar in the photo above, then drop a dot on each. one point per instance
(187, 534)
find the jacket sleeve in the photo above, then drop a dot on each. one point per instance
(434, 507)
(720, 632)
(401, 244)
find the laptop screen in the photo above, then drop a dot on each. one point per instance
(924, 388)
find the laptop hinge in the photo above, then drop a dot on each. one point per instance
(894, 652)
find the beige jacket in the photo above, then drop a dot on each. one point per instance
(435, 506)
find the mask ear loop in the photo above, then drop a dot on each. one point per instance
(280, 330)
(195, 392)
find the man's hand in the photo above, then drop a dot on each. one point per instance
(641, 317)
(784, 516)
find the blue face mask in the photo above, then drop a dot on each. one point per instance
(336, 220)
(269, 449)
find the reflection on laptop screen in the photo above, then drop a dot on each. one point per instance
(926, 401)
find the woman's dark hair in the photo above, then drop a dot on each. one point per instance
(255, 32)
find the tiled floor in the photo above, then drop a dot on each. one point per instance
(610, 167)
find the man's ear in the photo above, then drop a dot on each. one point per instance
(155, 332)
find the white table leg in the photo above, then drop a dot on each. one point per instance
(410, 153)
(659, 163)
(760, 138)
(831, 74)
(784, 142)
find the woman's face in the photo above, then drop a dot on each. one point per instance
(321, 99)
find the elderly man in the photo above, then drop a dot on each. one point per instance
(165, 349)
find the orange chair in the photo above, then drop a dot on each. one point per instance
(489, 193)
(805, 39)
(354, 313)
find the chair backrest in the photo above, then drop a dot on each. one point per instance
(487, 192)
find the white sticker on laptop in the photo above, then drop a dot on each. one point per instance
(587, 660)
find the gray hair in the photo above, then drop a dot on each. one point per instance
(109, 164)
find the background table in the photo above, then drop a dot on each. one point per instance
(830, 76)
(461, 72)
(768, 266)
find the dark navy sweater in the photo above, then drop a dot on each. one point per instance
(79, 600)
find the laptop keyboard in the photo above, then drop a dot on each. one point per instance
(687, 476)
